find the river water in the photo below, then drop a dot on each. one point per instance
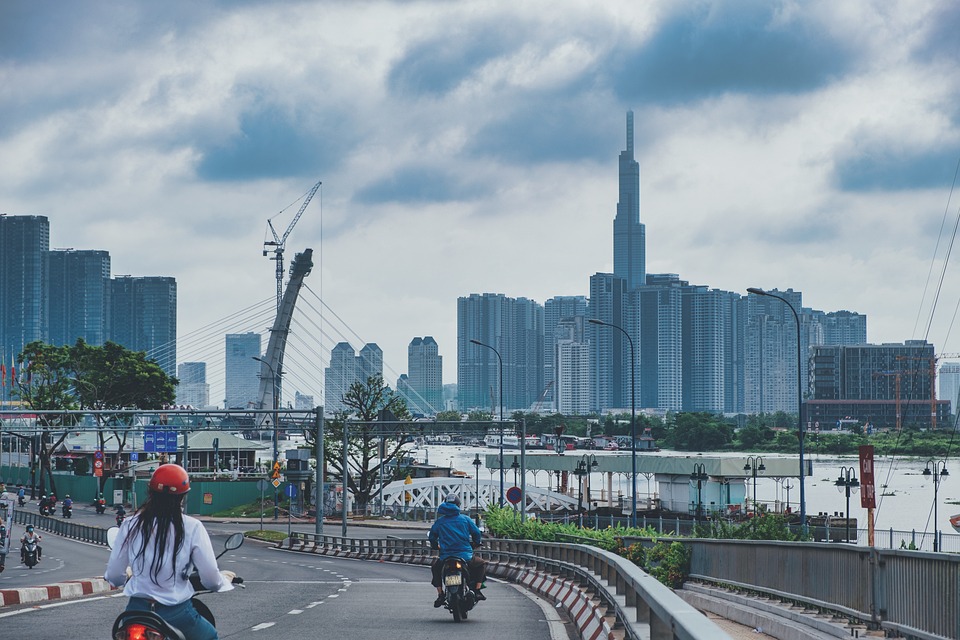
(905, 497)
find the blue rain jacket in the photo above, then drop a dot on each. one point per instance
(454, 532)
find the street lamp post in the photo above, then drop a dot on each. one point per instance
(800, 432)
(276, 428)
(585, 465)
(847, 481)
(754, 465)
(937, 469)
(787, 485)
(500, 385)
(699, 476)
(633, 418)
(476, 474)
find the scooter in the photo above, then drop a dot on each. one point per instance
(67, 510)
(29, 551)
(101, 506)
(459, 597)
(134, 625)
(21, 501)
(120, 517)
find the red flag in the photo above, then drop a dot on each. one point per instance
(13, 375)
(3, 375)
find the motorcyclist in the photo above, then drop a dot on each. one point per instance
(21, 496)
(43, 504)
(155, 551)
(67, 504)
(455, 535)
(121, 513)
(100, 503)
(30, 536)
(3, 546)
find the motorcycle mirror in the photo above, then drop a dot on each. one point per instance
(112, 533)
(233, 542)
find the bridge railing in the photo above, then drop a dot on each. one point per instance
(913, 593)
(644, 607)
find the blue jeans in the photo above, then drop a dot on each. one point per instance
(182, 616)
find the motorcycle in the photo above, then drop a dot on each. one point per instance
(133, 625)
(29, 551)
(46, 509)
(459, 597)
(21, 501)
(67, 510)
(100, 506)
(120, 517)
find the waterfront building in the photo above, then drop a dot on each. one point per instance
(424, 381)
(609, 348)
(770, 348)
(143, 317)
(659, 308)
(193, 389)
(949, 384)
(78, 296)
(572, 357)
(242, 372)
(704, 335)
(24, 242)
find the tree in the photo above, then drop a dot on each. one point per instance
(448, 416)
(82, 376)
(367, 451)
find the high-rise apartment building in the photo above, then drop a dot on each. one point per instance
(844, 328)
(193, 390)
(770, 348)
(609, 348)
(572, 357)
(424, 382)
(24, 242)
(660, 346)
(512, 328)
(346, 367)
(242, 372)
(703, 349)
(629, 234)
(143, 317)
(555, 310)
(949, 384)
(78, 296)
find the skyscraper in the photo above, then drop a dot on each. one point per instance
(424, 376)
(193, 389)
(242, 372)
(78, 296)
(555, 310)
(572, 357)
(609, 351)
(346, 367)
(660, 372)
(143, 317)
(629, 234)
(24, 241)
(770, 347)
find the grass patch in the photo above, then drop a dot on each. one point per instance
(254, 509)
(267, 535)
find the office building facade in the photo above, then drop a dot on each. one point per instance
(143, 317)
(629, 234)
(193, 390)
(78, 296)
(24, 242)
(424, 383)
(242, 372)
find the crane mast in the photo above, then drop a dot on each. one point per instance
(278, 244)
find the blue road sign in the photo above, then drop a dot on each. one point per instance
(149, 441)
(291, 491)
(134, 456)
(514, 494)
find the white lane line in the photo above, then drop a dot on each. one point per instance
(294, 612)
(313, 604)
(262, 626)
(333, 595)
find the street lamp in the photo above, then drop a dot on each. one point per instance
(276, 428)
(800, 432)
(754, 465)
(699, 476)
(939, 472)
(633, 417)
(476, 474)
(500, 360)
(787, 485)
(585, 465)
(847, 481)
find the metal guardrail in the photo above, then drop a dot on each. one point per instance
(913, 593)
(644, 607)
(65, 528)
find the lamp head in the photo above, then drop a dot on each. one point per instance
(595, 321)
(757, 291)
(472, 341)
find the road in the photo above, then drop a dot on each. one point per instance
(287, 594)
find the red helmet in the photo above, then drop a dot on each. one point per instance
(170, 478)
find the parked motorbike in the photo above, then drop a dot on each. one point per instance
(29, 551)
(67, 511)
(134, 625)
(459, 597)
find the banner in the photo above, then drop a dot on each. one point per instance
(868, 491)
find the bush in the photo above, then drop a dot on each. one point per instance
(669, 563)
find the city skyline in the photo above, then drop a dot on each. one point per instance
(814, 151)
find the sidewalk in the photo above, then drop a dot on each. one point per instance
(69, 589)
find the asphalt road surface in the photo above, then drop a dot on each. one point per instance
(287, 595)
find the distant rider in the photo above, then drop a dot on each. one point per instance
(67, 502)
(455, 535)
(30, 536)
(3, 546)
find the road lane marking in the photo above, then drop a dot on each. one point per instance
(313, 604)
(294, 612)
(262, 626)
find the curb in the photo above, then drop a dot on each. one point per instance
(69, 589)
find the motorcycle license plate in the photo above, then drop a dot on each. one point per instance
(453, 580)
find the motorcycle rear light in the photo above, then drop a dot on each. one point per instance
(138, 632)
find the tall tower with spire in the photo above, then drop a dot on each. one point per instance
(629, 235)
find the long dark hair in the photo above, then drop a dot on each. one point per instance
(155, 517)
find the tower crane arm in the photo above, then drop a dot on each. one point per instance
(293, 222)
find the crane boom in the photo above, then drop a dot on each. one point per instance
(278, 244)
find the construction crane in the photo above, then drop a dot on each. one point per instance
(932, 372)
(539, 402)
(278, 244)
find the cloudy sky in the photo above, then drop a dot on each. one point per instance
(469, 147)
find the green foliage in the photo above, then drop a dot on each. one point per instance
(635, 553)
(669, 563)
(766, 526)
(448, 416)
(698, 432)
(504, 522)
(479, 416)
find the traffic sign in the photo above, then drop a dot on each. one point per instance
(134, 457)
(261, 485)
(98, 455)
(275, 483)
(514, 494)
(291, 491)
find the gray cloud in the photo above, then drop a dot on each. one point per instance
(893, 168)
(718, 48)
(413, 185)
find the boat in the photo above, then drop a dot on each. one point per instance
(511, 441)
(955, 522)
